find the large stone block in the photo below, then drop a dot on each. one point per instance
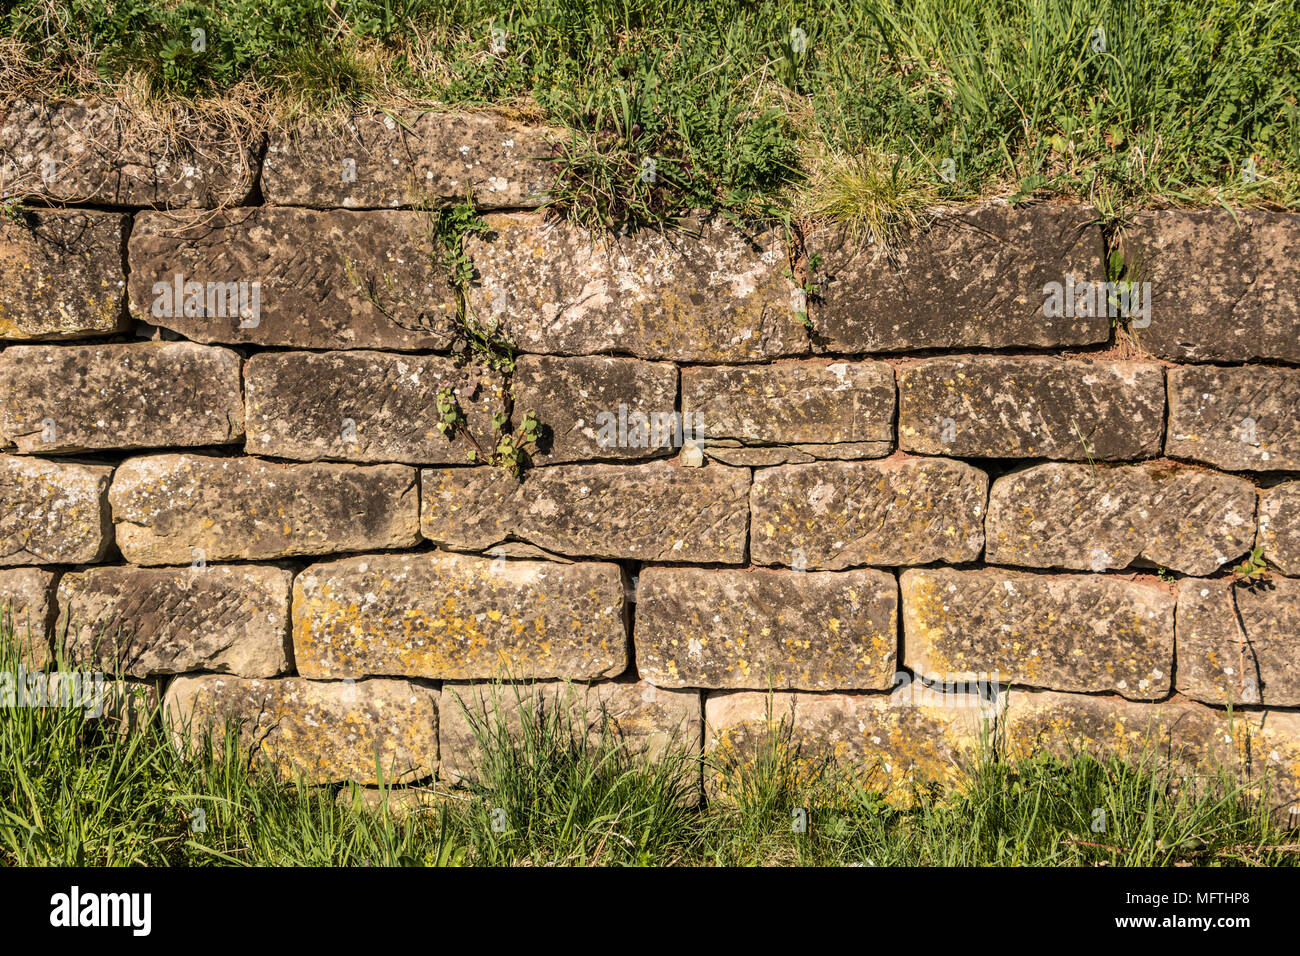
(706, 295)
(1084, 518)
(383, 160)
(56, 399)
(459, 617)
(292, 277)
(699, 627)
(1071, 632)
(1279, 526)
(363, 406)
(833, 515)
(84, 151)
(888, 743)
(61, 274)
(597, 407)
(654, 511)
(1238, 419)
(26, 605)
(319, 732)
(1031, 407)
(1239, 644)
(648, 721)
(54, 512)
(1225, 283)
(175, 509)
(792, 402)
(232, 619)
(974, 279)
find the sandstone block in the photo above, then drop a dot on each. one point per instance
(458, 617)
(1065, 632)
(833, 515)
(25, 605)
(1279, 526)
(176, 509)
(1238, 419)
(54, 513)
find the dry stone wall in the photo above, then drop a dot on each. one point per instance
(970, 498)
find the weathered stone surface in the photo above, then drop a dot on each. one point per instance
(973, 280)
(654, 511)
(1225, 284)
(1099, 518)
(699, 627)
(61, 274)
(54, 512)
(317, 280)
(409, 159)
(325, 732)
(232, 619)
(363, 406)
(26, 604)
(1279, 526)
(887, 742)
(167, 506)
(709, 295)
(56, 399)
(835, 515)
(1274, 760)
(1239, 419)
(1031, 407)
(1220, 663)
(646, 719)
(459, 617)
(792, 402)
(597, 407)
(1188, 736)
(83, 151)
(731, 452)
(1066, 632)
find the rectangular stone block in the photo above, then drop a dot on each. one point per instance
(1225, 283)
(648, 721)
(1185, 736)
(84, 151)
(292, 277)
(654, 511)
(886, 743)
(459, 617)
(699, 627)
(317, 732)
(1279, 526)
(1238, 419)
(363, 406)
(231, 619)
(61, 274)
(56, 399)
(708, 294)
(1031, 407)
(175, 509)
(26, 605)
(598, 407)
(1072, 632)
(973, 279)
(1084, 518)
(834, 515)
(54, 512)
(792, 402)
(383, 160)
(1219, 662)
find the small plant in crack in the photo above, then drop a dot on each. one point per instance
(1252, 572)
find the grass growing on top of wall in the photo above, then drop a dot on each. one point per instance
(855, 110)
(78, 791)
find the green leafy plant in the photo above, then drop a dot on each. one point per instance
(1252, 571)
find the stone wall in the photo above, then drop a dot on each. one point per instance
(962, 479)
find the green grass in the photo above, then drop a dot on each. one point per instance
(81, 791)
(954, 99)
